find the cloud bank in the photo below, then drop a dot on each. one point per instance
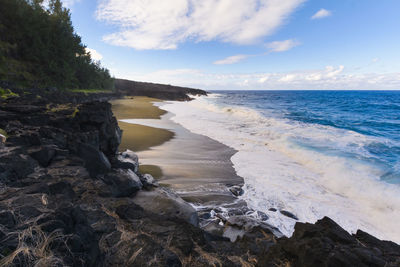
(160, 24)
(329, 77)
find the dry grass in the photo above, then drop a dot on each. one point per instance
(208, 257)
(34, 249)
(133, 257)
(283, 263)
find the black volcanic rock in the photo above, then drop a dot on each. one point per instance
(63, 204)
(289, 214)
(124, 183)
(95, 161)
(325, 243)
(161, 91)
(44, 155)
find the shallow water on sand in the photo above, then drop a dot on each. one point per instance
(196, 167)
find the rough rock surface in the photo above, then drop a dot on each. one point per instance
(161, 91)
(325, 243)
(67, 198)
(164, 202)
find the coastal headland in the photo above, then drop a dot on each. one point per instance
(72, 196)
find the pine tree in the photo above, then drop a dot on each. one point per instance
(38, 47)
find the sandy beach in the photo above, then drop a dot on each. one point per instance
(196, 167)
(138, 137)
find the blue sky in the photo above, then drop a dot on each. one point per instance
(245, 44)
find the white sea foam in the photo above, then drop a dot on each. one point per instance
(279, 173)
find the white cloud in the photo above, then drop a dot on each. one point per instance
(277, 46)
(263, 79)
(160, 24)
(69, 3)
(322, 13)
(329, 77)
(281, 46)
(94, 54)
(287, 78)
(374, 60)
(231, 60)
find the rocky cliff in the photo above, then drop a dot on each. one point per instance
(161, 91)
(67, 198)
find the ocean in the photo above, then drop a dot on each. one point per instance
(312, 153)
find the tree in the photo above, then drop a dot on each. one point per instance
(38, 47)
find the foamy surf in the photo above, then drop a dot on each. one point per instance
(284, 169)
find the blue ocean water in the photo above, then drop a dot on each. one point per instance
(370, 113)
(313, 153)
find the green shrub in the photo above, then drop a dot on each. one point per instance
(6, 93)
(2, 132)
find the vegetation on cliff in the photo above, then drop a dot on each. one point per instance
(38, 47)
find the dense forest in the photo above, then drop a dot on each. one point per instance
(38, 47)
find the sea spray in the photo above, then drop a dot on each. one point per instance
(309, 169)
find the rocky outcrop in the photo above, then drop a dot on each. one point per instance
(325, 243)
(161, 91)
(68, 198)
(164, 202)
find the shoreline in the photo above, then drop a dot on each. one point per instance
(138, 137)
(284, 189)
(196, 167)
(66, 189)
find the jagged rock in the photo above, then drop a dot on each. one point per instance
(63, 188)
(7, 219)
(130, 212)
(289, 214)
(241, 225)
(325, 243)
(148, 181)
(161, 91)
(27, 212)
(243, 222)
(124, 183)
(16, 165)
(128, 160)
(262, 215)
(44, 155)
(128, 154)
(98, 116)
(161, 201)
(214, 228)
(37, 188)
(95, 160)
(236, 190)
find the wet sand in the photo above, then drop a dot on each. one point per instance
(196, 167)
(137, 137)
